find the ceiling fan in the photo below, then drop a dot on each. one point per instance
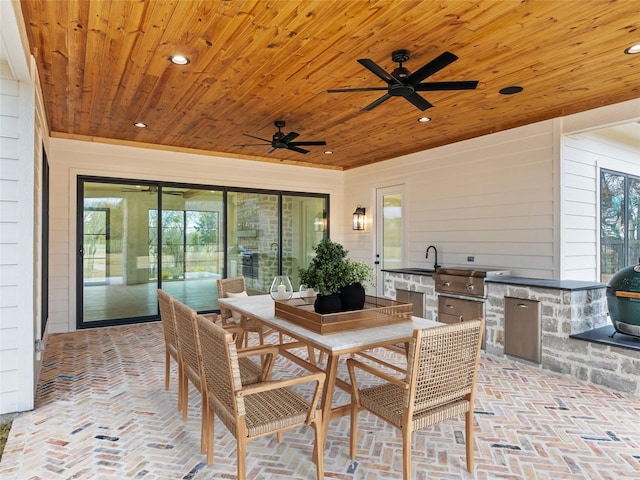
(282, 140)
(402, 83)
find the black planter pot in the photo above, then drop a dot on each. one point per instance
(327, 304)
(352, 297)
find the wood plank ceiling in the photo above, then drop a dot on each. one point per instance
(104, 65)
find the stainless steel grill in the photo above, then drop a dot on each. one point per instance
(462, 293)
(464, 282)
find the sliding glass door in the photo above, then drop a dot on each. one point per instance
(136, 237)
(114, 274)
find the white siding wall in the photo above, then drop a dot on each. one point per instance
(9, 236)
(69, 159)
(16, 243)
(490, 197)
(584, 154)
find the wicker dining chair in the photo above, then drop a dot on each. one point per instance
(228, 287)
(190, 359)
(168, 319)
(251, 411)
(442, 366)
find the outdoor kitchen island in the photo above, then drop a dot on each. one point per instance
(566, 308)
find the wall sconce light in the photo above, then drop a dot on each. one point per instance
(358, 218)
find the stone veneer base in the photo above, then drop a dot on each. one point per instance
(565, 312)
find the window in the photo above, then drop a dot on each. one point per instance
(619, 222)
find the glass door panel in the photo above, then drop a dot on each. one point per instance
(304, 225)
(389, 232)
(113, 237)
(253, 238)
(192, 245)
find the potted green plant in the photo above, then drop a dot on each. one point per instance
(330, 272)
(359, 274)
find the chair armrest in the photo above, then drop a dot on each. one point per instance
(352, 364)
(281, 383)
(268, 351)
(258, 350)
(211, 316)
(235, 329)
(288, 382)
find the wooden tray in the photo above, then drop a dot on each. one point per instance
(377, 311)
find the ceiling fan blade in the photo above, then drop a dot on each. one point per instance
(372, 89)
(373, 105)
(430, 68)
(251, 144)
(289, 136)
(435, 86)
(375, 69)
(271, 150)
(298, 144)
(418, 101)
(257, 138)
(296, 149)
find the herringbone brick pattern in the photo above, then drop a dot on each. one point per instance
(102, 413)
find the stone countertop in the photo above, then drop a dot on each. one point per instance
(511, 280)
(411, 271)
(546, 283)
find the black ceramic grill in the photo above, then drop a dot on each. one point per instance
(623, 300)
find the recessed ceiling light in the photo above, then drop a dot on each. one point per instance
(511, 90)
(424, 119)
(633, 49)
(179, 59)
(328, 152)
(140, 124)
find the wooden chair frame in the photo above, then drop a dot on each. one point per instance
(442, 366)
(279, 407)
(191, 361)
(172, 348)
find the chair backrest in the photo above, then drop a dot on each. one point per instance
(442, 364)
(188, 341)
(167, 315)
(221, 371)
(226, 286)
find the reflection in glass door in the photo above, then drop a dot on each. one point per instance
(272, 234)
(95, 245)
(304, 225)
(114, 258)
(253, 238)
(192, 245)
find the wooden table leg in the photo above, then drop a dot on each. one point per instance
(327, 393)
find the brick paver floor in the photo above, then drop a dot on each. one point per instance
(102, 412)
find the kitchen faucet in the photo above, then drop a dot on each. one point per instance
(435, 264)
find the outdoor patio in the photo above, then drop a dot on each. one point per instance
(102, 412)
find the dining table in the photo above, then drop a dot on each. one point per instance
(261, 308)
